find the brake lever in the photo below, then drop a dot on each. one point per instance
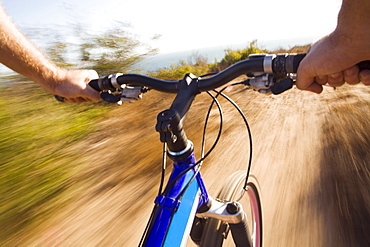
(282, 86)
(109, 97)
(265, 83)
(125, 93)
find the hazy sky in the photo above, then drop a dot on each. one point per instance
(187, 24)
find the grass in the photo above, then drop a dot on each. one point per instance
(36, 160)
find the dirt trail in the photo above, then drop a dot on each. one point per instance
(311, 157)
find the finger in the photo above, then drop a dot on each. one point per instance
(88, 100)
(351, 75)
(365, 77)
(80, 100)
(315, 87)
(306, 79)
(75, 100)
(69, 100)
(336, 80)
(322, 79)
(308, 85)
(303, 81)
(91, 94)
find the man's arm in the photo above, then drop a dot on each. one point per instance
(20, 55)
(333, 59)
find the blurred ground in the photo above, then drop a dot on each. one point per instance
(311, 157)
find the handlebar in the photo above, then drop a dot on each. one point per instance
(279, 65)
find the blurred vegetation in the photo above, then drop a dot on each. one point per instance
(110, 51)
(37, 163)
(113, 51)
(234, 56)
(295, 49)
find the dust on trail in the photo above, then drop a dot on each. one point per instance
(311, 157)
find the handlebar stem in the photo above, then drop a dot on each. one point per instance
(188, 89)
(170, 122)
(170, 128)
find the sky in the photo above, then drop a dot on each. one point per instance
(185, 25)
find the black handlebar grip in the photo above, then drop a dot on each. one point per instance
(299, 57)
(286, 63)
(297, 60)
(95, 84)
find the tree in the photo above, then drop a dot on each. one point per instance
(56, 52)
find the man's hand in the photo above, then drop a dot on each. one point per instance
(73, 86)
(332, 61)
(19, 54)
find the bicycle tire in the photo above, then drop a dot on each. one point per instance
(216, 232)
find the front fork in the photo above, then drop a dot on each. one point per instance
(229, 212)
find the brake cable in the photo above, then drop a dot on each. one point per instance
(241, 113)
(202, 158)
(220, 130)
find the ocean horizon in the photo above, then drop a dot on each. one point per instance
(213, 54)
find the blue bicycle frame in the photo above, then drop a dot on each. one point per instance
(175, 212)
(185, 193)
